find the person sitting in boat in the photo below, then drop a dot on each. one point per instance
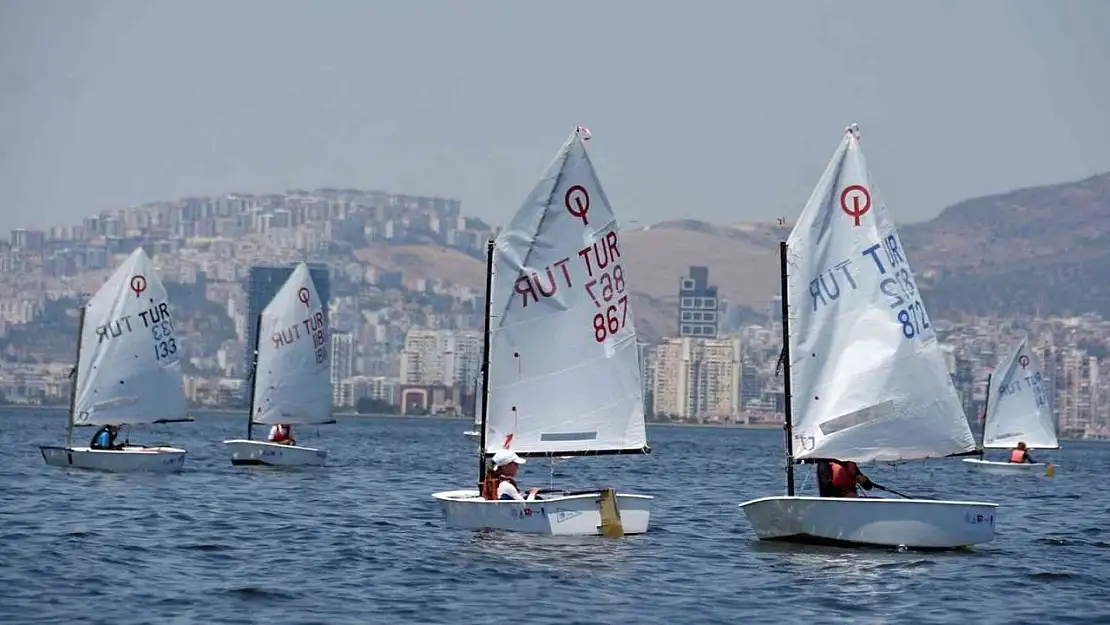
(840, 479)
(281, 434)
(501, 479)
(1020, 455)
(105, 438)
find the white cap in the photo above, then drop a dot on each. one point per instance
(504, 457)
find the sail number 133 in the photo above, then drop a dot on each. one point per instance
(164, 344)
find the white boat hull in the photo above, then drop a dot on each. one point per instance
(245, 453)
(872, 521)
(570, 515)
(130, 458)
(472, 435)
(1008, 468)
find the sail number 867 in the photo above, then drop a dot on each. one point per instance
(612, 320)
(612, 316)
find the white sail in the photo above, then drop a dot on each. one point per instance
(293, 377)
(129, 369)
(1017, 405)
(868, 380)
(564, 373)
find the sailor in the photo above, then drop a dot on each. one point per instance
(105, 438)
(281, 434)
(501, 479)
(1020, 454)
(839, 479)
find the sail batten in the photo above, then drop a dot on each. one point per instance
(293, 378)
(129, 368)
(564, 368)
(868, 380)
(1018, 409)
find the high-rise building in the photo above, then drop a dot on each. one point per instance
(342, 362)
(447, 357)
(263, 283)
(698, 378)
(698, 316)
(647, 357)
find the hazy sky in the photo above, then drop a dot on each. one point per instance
(722, 110)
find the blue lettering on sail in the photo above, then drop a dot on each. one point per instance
(891, 250)
(827, 287)
(898, 286)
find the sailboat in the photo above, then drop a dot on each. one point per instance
(291, 377)
(865, 379)
(562, 376)
(1017, 411)
(127, 373)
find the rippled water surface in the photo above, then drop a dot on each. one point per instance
(361, 541)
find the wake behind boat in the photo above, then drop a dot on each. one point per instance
(864, 377)
(127, 372)
(1017, 412)
(290, 381)
(562, 374)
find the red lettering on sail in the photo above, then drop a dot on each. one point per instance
(535, 285)
(612, 320)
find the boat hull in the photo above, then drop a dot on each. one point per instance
(872, 521)
(1008, 468)
(253, 453)
(569, 515)
(472, 435)
(130, 458)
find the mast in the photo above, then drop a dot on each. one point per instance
(788, 426)
(983, 425)
(73, 385)
(254, 374)
(485, 366)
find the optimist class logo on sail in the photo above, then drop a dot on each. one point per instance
(857, 192)
(138, 284)
(577, 197)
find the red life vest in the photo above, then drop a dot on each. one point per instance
(844, 476)
(281, 434)
(1017, 456)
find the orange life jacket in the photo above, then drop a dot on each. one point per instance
(844, 476)
(1017, 456)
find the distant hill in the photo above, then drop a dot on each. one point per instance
(1040, 249)
(1037, 250)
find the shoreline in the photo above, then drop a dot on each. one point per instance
(438, 417)
(466, 419)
